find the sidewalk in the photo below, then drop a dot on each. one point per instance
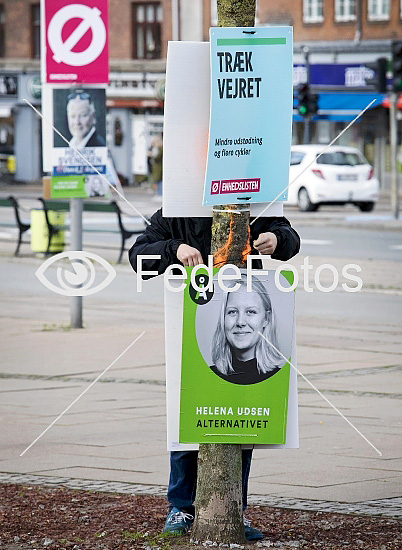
(114, 438)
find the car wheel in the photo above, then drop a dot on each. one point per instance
(304, 202)
(366, 206)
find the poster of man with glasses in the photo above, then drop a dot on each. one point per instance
(79, 115)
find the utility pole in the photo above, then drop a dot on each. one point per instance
(396, 90)
(175, 20)
(307, 118)
(358, 30)
(219, 508)
(394, 152)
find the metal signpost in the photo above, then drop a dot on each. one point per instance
(76, 244)
(63, 64)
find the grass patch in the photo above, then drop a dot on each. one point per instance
(160, 541)
(54, 327)
(130, 535)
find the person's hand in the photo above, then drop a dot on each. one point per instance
(266, 243)
(188, 255)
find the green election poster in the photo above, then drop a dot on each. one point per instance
(237, 342)
(78, 186)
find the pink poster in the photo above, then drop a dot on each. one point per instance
(76, 41)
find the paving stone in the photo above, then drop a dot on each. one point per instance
(391, 508)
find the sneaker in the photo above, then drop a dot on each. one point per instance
(178, 522)
(251, 533)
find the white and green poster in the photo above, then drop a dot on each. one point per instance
(79, 116)
(79, 186)
(234, 368)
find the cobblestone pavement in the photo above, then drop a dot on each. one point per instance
(387, 507)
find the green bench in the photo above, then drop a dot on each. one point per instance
(22, 226)
(64, 206)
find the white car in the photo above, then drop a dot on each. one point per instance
(340, 175)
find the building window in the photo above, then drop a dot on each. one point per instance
(147, 30)
(345, 10)
(2, 32)
(312, 11)
(378, 10)
(35, 31)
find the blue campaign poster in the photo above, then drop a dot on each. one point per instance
(251, 115)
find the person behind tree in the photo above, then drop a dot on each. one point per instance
(188, 241)
(155, 161)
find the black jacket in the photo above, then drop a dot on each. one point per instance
(96, 140)
(245, 372)
(165, 235)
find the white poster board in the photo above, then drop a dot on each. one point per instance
(50, 153)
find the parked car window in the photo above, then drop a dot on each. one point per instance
(341, 158)
(296, 157)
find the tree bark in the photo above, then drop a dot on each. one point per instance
(219, 512)
(219, 506)
(236, 13)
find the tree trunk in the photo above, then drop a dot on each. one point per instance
(219, 512)
(236, 13)
(219, 506)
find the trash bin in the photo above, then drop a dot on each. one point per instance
(10, 164)
(40, 233)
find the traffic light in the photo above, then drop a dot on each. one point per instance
(303, 98)
(313, 104)
(397, 65)
(308, 102)
(379, 80)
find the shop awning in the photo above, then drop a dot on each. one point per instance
(342, 106)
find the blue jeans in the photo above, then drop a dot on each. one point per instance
(183, 479)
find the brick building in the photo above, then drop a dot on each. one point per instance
(358, 21)
(340, 36)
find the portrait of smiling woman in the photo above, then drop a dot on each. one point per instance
(239, 353)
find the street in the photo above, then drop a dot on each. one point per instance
(349, 347)
(121, 103)
(354, 245)
(328, 229)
